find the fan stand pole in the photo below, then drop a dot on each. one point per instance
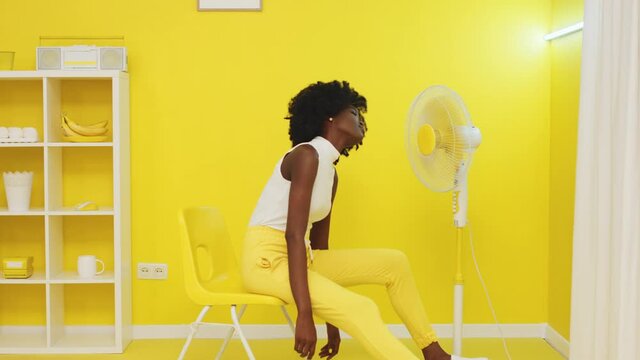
(458, 289)
(460, 221)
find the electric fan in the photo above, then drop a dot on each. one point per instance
(440, 142)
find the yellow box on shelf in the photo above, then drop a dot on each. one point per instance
(17, 267)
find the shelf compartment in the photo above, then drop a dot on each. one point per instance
(85, 101)
(72, 236)
(21, 104)
(23, 236)
(22, 316)
(79, 174)
(23, 159)
(82, 315)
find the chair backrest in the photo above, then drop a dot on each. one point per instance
(208, 257)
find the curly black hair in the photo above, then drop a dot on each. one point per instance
(316, 103)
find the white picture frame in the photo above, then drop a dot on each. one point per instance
(213, 5)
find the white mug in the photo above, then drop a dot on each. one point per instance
(87, 266)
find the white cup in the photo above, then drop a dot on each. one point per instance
(87, 267)
(17, 186)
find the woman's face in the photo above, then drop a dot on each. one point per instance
(349, 122)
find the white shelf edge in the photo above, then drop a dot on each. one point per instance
(31, 212)
(79, 144)
(71, 277)
(67, 211)
(38, 277)
(62, 74)
(21, 145)
(20, 75)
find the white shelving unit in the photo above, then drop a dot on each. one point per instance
(59, 330)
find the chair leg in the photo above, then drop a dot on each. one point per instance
(230, 334)
(194, 329)
(286, 315)
(234, 316)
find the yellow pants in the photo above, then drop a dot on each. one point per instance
(265, 271)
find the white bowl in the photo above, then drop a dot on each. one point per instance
(30, 134)
(15, 133)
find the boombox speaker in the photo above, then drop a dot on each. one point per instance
(81, 57)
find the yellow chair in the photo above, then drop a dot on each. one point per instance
(211, 273)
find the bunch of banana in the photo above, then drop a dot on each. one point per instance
(83, 133)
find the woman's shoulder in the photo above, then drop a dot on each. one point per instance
(303, 152)
(302, 157)
(304, 149)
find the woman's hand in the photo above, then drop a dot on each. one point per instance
(333, 342)
(306, 336)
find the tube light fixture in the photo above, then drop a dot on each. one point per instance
(564, 32)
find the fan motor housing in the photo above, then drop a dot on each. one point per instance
(426, 139)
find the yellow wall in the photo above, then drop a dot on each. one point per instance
(565, 91)
(209, 93)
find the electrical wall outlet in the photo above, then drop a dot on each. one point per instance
(144, 271)
(153, 271)
(160, 271)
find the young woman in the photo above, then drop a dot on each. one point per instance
(325, 122)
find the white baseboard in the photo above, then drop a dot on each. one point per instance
(557, 341)
(252, 331)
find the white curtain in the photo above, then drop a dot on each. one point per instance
(605, 310)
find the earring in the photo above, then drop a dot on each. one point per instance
(330, 119)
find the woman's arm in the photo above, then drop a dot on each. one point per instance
(319, 237)
(319, 234)
(301, 167)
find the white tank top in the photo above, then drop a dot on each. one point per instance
(273, 205)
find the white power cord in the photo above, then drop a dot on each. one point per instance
(486, 292)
